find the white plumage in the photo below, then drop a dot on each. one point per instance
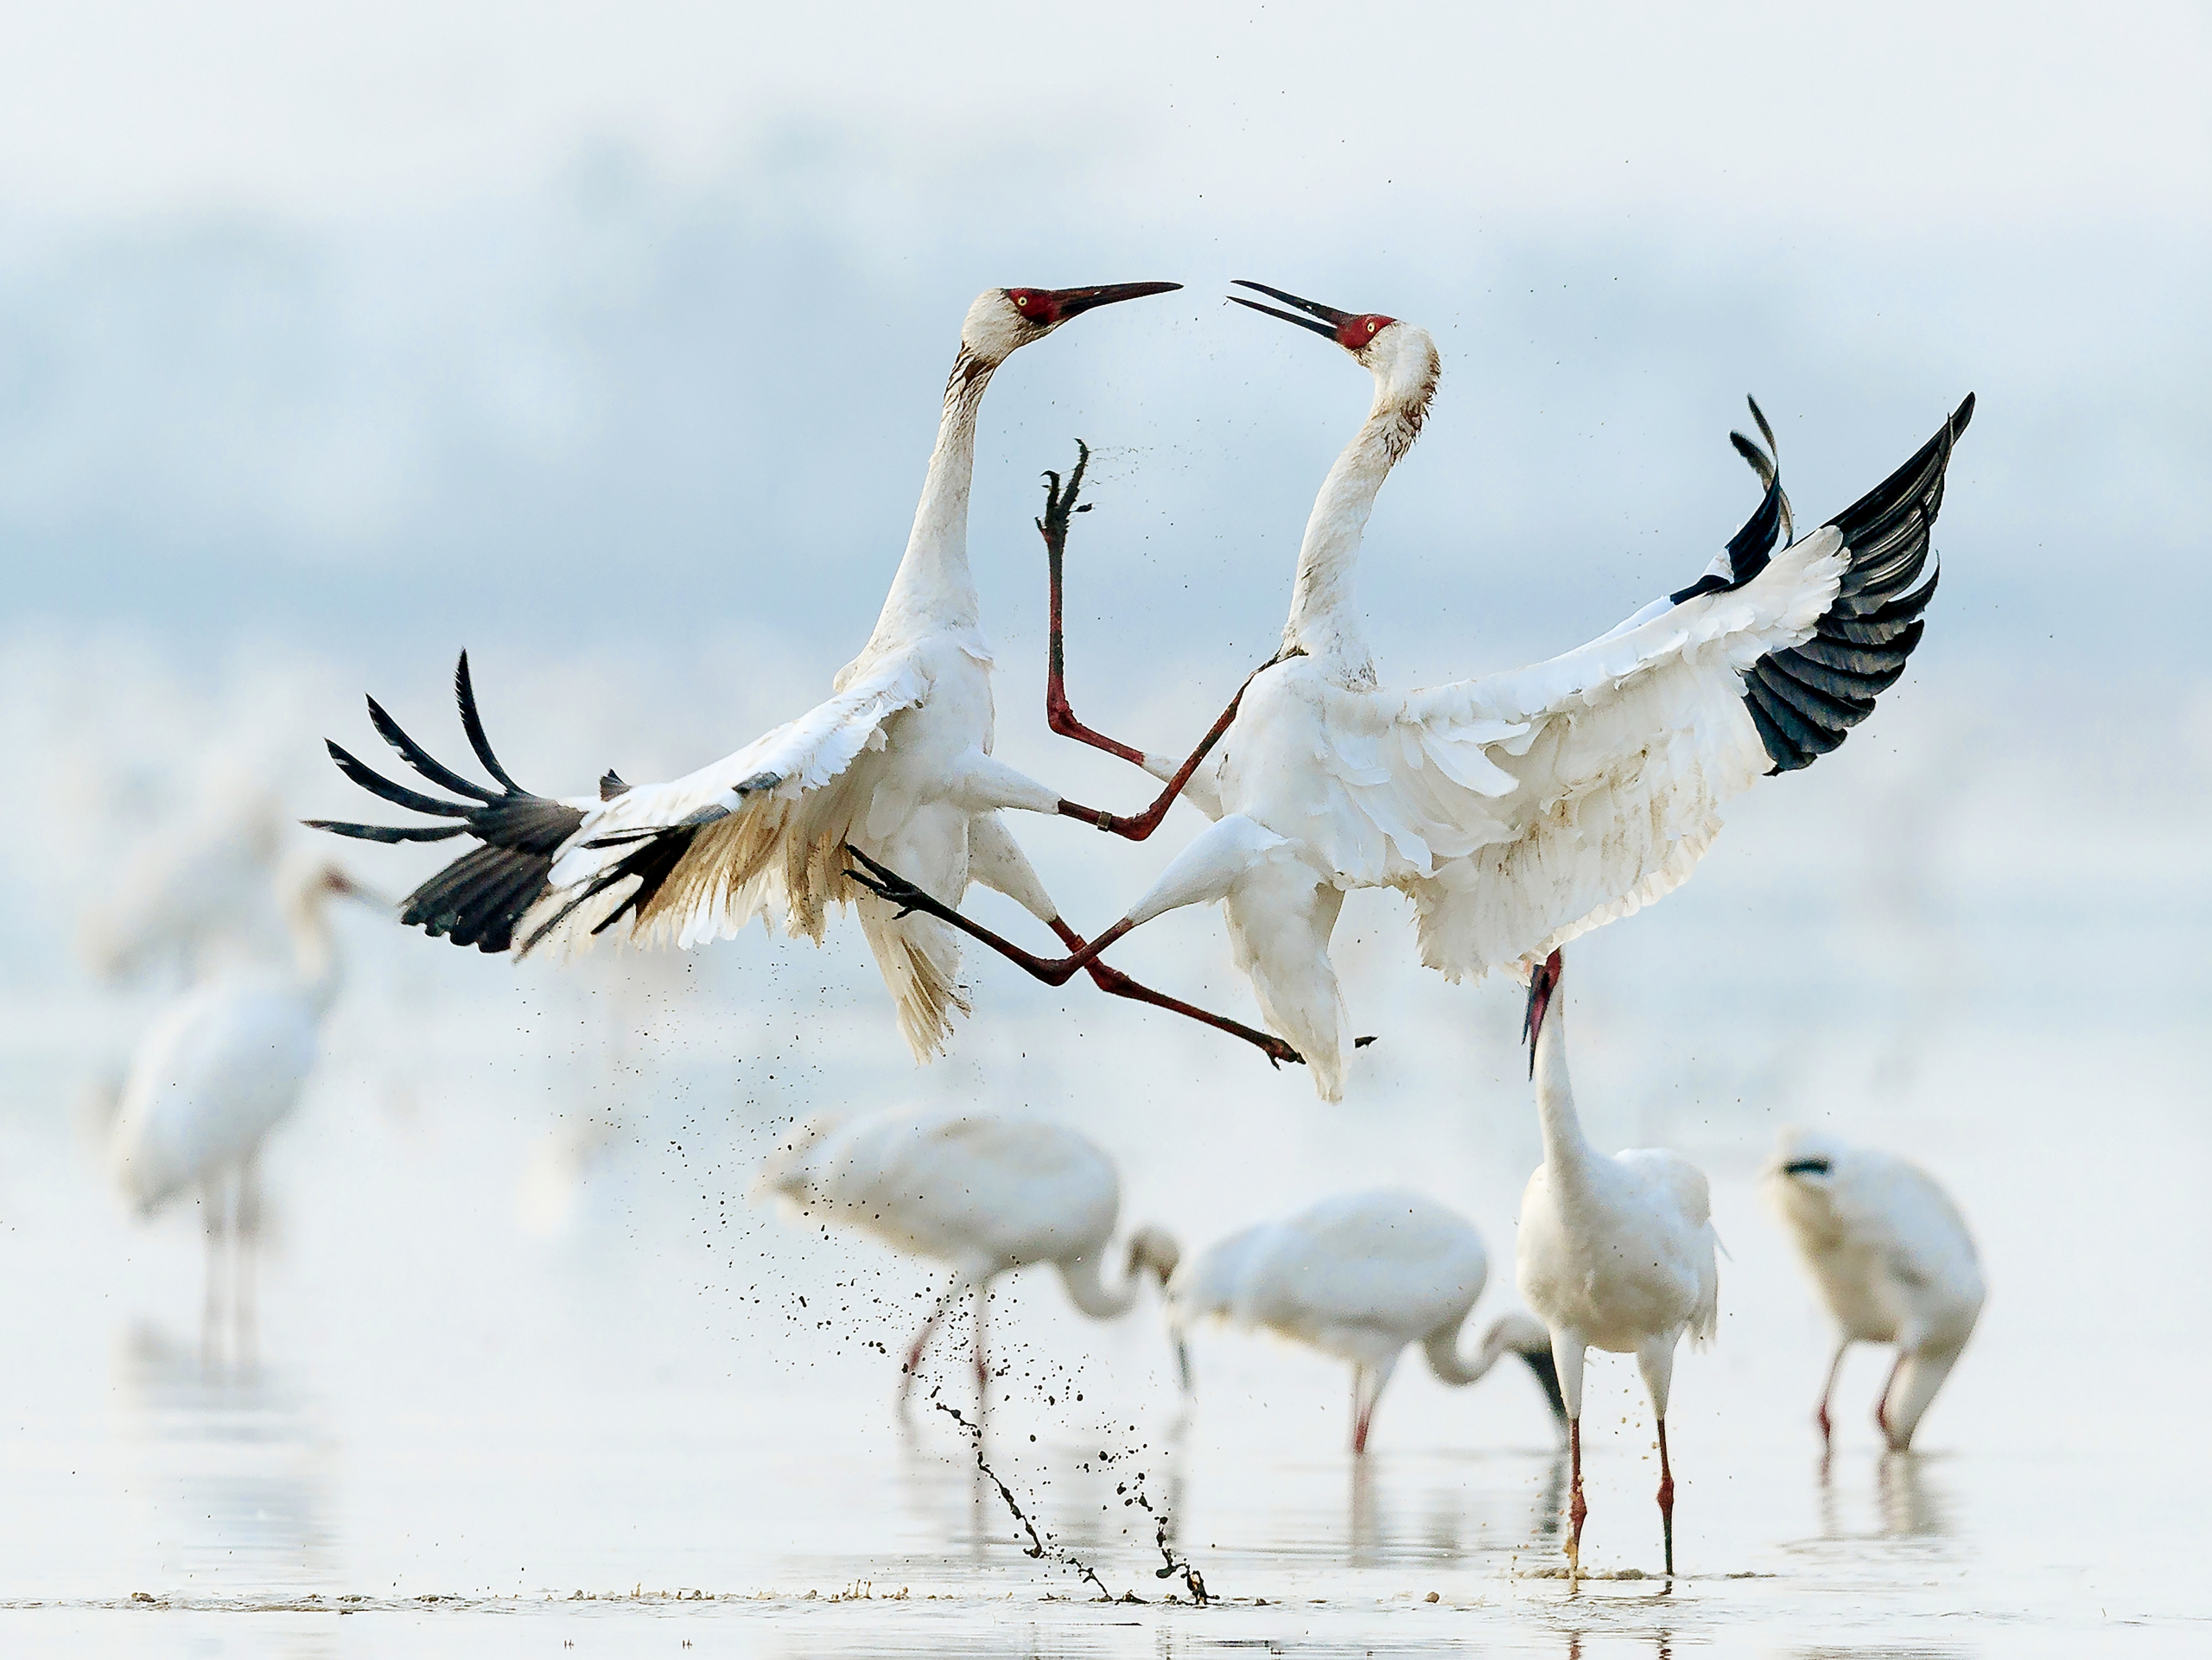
(1893, 1261)
(896, 764)
(222, 1067)
(984, 1193)
(1614, 1253)
(1522, 809)
(1362, 1276)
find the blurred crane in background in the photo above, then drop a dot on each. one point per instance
(1362, 1276)
(1894, 1263)
(218, 1070)
(985, 1193)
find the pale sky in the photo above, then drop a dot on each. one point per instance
(1894, 116)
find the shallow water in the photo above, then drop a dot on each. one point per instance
(528, 1370)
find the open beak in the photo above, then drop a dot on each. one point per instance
(1331, 320)
(1541, 984)
(1074, 302)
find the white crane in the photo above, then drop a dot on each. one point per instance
(897, 762)
(1614, 1253)
(220, 1068)
(1362, 1276)
(1893, 1261)
(985, 1193)
(1517, 809)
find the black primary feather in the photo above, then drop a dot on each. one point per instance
(1752, 546)
(480, 898)
(1804, 700)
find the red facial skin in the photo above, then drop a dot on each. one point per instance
(1354, 332)
(1037, 305)
(1541, 984)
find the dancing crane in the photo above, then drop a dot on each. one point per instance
(1522, 809)
(1614, 1253)
(220, 1068)
(1894, 1263)
(985, 1193)
(897, 762)
(1362, 1276)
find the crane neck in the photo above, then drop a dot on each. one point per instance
(934, 589)
(1451, 1368)
(1323, 609)
(1089, 1291)
(317, 969)
(1567, 1149)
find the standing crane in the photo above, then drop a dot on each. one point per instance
(1522, 809)
(1363, 1276)
(985, 1193)
(897, 762)
(1614, 1253)
(221, 1068)
(1894, 1263)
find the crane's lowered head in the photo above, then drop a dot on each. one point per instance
(1002, 321)
(1153, 1250)
(1525, 1336)
(1400, 355)
(1543, 984)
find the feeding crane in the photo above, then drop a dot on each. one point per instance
(1614, 1253)
(1362, 1276)
(1894, 1263)
(986, 1193)
(1522, 809)
(220, 1069)
(897, 762)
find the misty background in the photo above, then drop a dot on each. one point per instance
(609, 345)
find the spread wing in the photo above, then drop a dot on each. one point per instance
(686, 859)
(1602, 771)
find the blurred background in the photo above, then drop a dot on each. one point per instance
(609, 342)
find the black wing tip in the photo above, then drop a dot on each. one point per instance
(1962, 415)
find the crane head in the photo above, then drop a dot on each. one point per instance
(1542, 983)
(1155, 1249)
(1004, 320)
(1354, 331)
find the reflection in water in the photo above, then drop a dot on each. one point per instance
(1908, 1504)
(235, 1469)
(1912, 1507)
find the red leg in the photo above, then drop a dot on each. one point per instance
(1821, 1417)
(1114, 983)
(1882, 1406)
(1059, 507)
(881, 878)
(922, 1339)
(1059, 714)
(1576, 1509)
(1666, 1499)
(982, 1360)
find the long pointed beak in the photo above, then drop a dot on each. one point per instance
(1332, 318)
(1074, 302)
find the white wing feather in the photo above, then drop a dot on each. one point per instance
(1522, 809)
